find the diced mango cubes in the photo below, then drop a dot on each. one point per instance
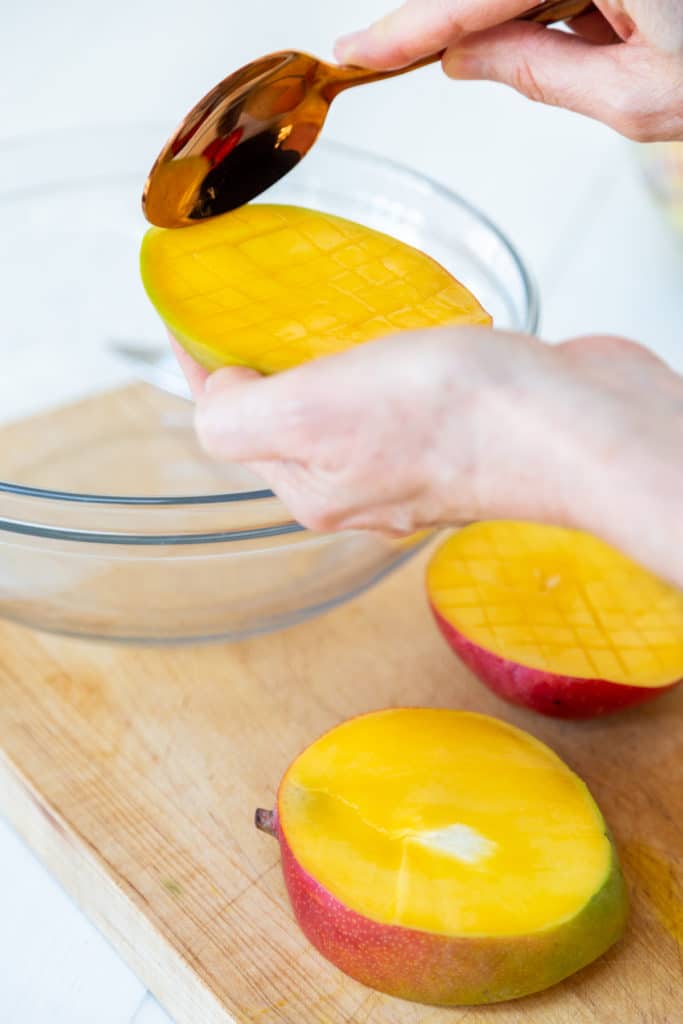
(560, 601)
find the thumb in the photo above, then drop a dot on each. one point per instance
(422, 27)
(243, 417)
(552, 67)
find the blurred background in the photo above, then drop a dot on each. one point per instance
(570, 194)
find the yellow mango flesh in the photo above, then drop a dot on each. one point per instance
(561, 601)
(449, 822)
(272, 286)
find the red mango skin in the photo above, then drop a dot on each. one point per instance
(440, 970)
(549, 694)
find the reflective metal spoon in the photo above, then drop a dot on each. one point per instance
(257, 124)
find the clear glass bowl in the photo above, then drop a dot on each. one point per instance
(112, 523)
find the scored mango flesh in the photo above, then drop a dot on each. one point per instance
(560, 601)
(445, 821)
(272, 286)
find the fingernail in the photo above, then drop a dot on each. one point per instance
(212, 383)
(227, 377)
(345, 48)
(458, 63)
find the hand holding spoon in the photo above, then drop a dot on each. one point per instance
(257, 124)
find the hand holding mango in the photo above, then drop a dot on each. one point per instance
(459, 424)
(443, 426)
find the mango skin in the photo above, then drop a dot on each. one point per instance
(548, 693)
(440, 970)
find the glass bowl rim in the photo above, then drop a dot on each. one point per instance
(398, 168)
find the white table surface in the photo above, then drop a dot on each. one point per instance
(565, 189)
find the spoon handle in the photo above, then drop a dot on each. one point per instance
(546, 13)
(557, 10)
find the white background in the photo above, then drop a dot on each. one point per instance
(566, 190)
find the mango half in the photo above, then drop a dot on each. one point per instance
(556, 619)
(446, 857)
(270, 287)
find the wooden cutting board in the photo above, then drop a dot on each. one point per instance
(134, 774)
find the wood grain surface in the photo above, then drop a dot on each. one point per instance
(134, 774)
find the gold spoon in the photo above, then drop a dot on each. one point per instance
(257, 124)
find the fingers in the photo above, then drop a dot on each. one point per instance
(614, 359)
(235, 417)
(227, 382)
(194, 374)
(244, 417)
(628, 88)
(544, 65)
(659, 23)
(420, 28)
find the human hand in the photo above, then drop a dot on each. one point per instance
(450, 425)
(623, 65)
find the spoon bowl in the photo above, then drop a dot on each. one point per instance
(245, 135)
(256, 125)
